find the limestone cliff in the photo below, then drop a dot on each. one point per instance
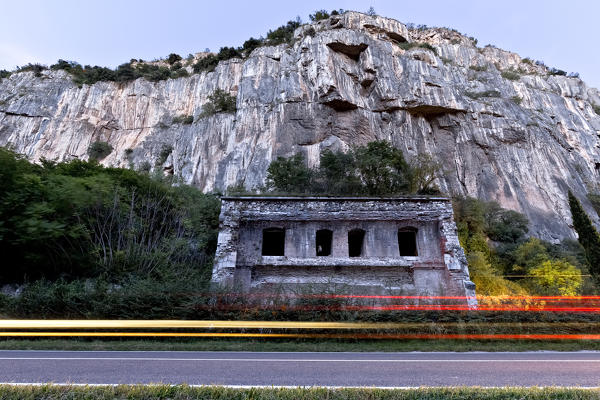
(504, 128)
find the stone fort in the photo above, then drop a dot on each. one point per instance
(401, 246)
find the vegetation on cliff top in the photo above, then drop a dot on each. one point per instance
(178, 67)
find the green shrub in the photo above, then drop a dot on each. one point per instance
(556, 71)
(99, 150)
(173, 58)
(283, 34)
(479, 68)
(251, 44)
(35, 68)
(207, 63)
(511, 75)
(165, 152)
(596, 108)
(145, 167)
(219, 101)
(4, 74)
(479, 95)
(183, 119)
(412, 45)
(319, 15)
(516, 99)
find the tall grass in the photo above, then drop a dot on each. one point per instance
(149, 392)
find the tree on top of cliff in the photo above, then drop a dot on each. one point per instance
(588, 236)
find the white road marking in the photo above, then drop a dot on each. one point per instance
(284, 386)
(297, 360)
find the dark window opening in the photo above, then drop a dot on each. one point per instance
(323, 242)
(273, 242)
(355, 242)
(407, 242)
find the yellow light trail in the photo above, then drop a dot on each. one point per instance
(199, 324)
(149, 324)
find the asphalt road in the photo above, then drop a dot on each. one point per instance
(303, 369)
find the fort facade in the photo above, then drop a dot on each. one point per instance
(401, 246)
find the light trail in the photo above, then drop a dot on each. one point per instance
(301, 325)
(311, 335)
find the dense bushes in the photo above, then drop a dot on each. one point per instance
(35, 68)
(133, 70)
(80, 220)
(375, 169)
(183, 119)
(123, 73)
(503, 260)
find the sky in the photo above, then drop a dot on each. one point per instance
(563, 34)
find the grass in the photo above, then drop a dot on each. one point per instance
(511, 75)
(479, 95)
(297, 345)
(412, 45)
(182, 392)
(517, 100)
(478, 68)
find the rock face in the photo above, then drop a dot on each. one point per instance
(503, 128)
(367, 246)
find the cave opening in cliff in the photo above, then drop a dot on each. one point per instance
(273, 243)
(356, 239)
(407, 242)
(323, 242)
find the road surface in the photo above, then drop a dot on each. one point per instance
(303, 369)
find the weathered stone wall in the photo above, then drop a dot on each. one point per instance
(344, 81)
(438, 269)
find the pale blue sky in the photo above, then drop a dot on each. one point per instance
(564, 34)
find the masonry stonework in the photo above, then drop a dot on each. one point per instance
(406, 246)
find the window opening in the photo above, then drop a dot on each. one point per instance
(407, 242)
(355, 242)
(273, 242)
(323, 242)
